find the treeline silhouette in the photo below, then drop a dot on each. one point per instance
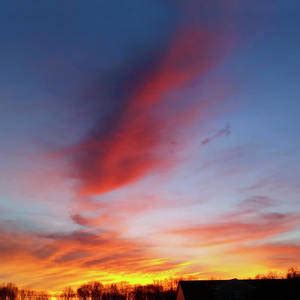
(159, 290)
(292, 273)
(10, 291)
(164, 290)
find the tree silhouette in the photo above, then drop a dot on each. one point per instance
(9, 291)
(96, 290)
(68, 294)
(84, 292)
(292, 273)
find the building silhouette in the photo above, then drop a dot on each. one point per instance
(263, 289)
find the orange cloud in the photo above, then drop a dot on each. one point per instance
(78, 256)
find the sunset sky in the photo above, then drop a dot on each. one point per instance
(148, 139)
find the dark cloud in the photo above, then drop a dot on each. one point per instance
(83, 237)
(80, 220)
(222, 132)
(70, 256)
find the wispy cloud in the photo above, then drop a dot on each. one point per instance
(248, 223)
(228, 232)
(279, 255)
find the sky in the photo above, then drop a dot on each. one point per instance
(148, 139)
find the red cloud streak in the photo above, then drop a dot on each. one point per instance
(141, 138)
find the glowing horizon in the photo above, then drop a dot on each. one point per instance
(148, 140)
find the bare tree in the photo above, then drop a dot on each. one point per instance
(8, 291)
(293, 273)
(84, 292)
(68, 294)
(96, 290)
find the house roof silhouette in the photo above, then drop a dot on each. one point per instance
(275, 289)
